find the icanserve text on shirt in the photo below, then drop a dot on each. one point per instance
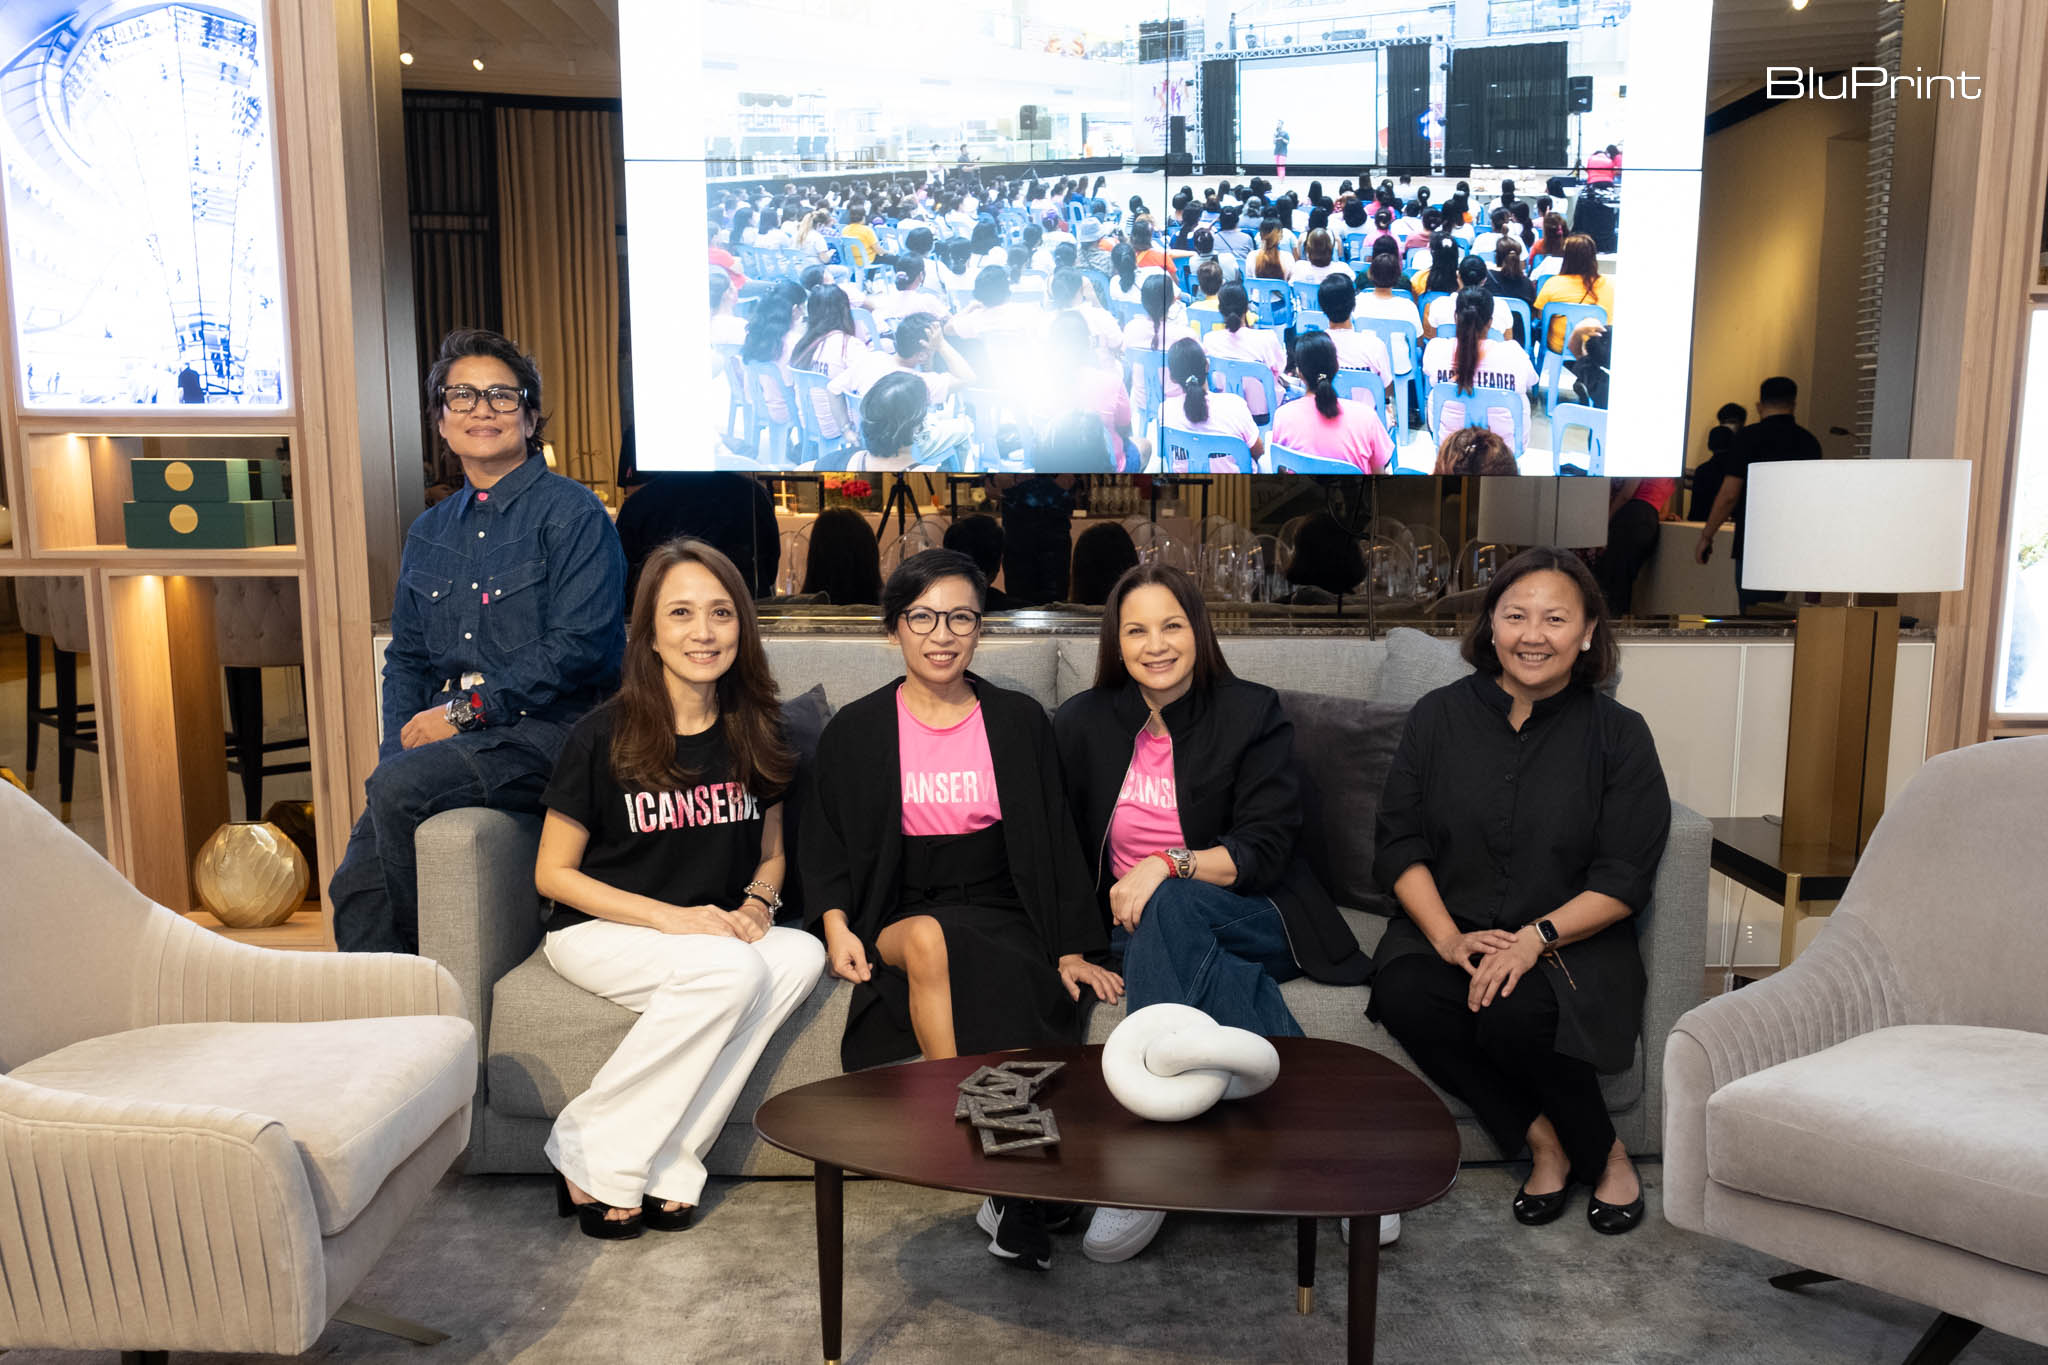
(713, 803)
(942, 789)
(1143, 790)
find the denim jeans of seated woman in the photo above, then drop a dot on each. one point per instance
(1209, 947)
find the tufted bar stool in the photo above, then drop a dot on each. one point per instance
(258, 627)
(53, 609)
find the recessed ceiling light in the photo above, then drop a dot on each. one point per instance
(405, 59)
(1798, 4)
(477, 62)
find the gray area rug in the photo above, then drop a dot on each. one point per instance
(487, 1261)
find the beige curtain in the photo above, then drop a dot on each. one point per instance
(559, 265)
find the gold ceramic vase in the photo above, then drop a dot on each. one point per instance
(250, 875)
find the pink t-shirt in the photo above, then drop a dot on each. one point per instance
(1356, 435)
(949, 780)
(1147, 817)
(1229, 415)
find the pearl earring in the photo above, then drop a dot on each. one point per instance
(1585, 645)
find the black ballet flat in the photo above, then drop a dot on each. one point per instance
(1614, 1219)
(653, 1215)
(1534, 1210)
(591, 1217)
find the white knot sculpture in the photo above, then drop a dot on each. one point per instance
(1171, 1062)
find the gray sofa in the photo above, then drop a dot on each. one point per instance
(544, 1039)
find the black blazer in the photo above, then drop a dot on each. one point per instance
(851, 837)
(1235, 777)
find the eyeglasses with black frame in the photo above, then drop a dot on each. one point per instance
(462, 397)
(923, 620)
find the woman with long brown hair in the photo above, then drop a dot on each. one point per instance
(1270, 262)
(662, 852)
(1578, 280)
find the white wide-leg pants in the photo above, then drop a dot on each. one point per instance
(707, 1007)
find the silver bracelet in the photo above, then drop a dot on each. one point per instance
(770, 898)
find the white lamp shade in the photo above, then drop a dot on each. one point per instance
(1566, 512)
(1856, 526)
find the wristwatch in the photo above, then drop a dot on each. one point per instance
(464, 713)
(1183, 863)
(1547, 931)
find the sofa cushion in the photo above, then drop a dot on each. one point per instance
(357, 1096)
(803, 720)
(1929, 1129)
(548, 1038)
(1417, 665)
(1343, 749)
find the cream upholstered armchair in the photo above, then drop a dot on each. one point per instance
(203, 1145)
(1875, 1111)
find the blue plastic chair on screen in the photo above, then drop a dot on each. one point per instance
(1145, 376)
(865, 327)
(1422, 307)
(1231, 376)
(1287, 461)
(1480, 407)
(1191, 452)
(1356, 245)
(1075, 213)
(987, 407)
(1550, 367)
(1563, 418)
(1310, 320)
(1126, 310)
(1272, 300)
(1204, 318)
(1183, 274)
(814, 447)
(1306, 297)
(738, 421)
(1100, 280)
(1401, 340)
(1363, 386)
(1524, 321)
(765, 383)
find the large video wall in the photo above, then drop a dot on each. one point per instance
(968, 230)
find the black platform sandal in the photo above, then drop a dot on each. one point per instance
(653, 1215)
(591, 1216)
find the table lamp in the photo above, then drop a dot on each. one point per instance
(1854, 526)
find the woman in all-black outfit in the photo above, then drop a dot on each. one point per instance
(1520, 828)
(940, 861)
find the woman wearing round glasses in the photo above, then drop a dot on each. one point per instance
(939, 858)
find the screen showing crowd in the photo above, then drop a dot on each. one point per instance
(1369, 245)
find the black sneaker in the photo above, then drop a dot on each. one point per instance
(1016, 1232)
(1061, 1217)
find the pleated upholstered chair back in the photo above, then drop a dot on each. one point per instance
(1949, 892)
(79, 946)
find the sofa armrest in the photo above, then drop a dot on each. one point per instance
(1673, 942)
(479, 913)
(1842, 986)
(207, 1207)
(203, 977)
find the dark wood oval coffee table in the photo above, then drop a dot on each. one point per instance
(1343, 1133)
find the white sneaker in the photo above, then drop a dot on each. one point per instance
(1390, 1229)
(1119, 1234)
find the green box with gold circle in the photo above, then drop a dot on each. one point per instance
(236, 525)
(196, 481)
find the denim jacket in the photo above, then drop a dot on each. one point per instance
(521, 584)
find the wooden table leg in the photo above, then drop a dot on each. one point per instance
(1305, 1265)
(1364, 1290)
(829, 1182)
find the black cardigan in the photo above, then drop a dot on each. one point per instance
(1237, 784)
(851, 836)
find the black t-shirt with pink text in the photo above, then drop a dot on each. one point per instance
(696, 841)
